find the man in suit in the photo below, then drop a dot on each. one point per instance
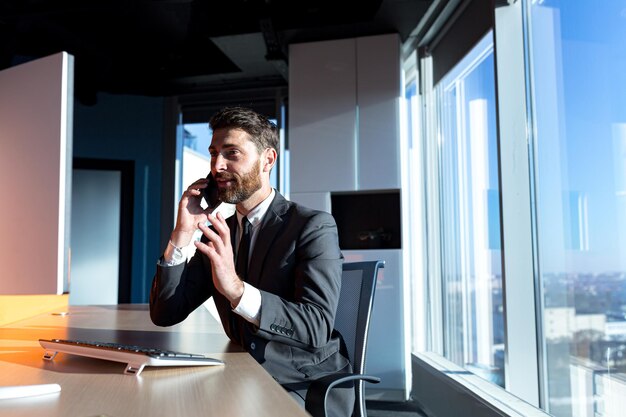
(278, 301)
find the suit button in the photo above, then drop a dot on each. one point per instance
(252, 346)
(272, 327)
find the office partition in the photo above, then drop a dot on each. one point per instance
(35, 181)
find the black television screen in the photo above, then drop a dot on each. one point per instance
(367, 219)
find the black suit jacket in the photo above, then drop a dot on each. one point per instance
(296, 264)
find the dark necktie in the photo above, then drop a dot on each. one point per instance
(241, 266)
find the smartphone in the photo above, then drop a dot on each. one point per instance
(210, 193)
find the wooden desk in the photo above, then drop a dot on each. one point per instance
(92, 387)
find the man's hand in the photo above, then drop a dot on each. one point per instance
(190, 213)
(220, 252)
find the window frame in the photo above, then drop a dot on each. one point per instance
(518, 234)
(523, 383)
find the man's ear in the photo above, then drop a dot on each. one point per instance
(269, 159)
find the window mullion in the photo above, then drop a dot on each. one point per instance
(522, 352)
(430, 139)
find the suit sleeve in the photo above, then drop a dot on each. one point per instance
(178, 290)
(308, 320)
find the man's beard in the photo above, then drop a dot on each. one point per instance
(244, 185)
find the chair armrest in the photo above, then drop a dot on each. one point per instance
(315, 403)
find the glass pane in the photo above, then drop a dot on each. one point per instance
(577, 53)
(196, 161)
(470, 218)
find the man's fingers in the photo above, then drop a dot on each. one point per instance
(196, 187)
(192, 193)
(214, 238)
(210, 234)
(201, 183)
(206, 248)
(219, 223)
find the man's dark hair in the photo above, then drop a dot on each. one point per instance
(263, 133)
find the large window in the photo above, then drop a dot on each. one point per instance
(466, 195)
(469, 214)
(577, 52)
(524, 203)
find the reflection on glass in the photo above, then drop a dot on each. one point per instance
(578, 99)
(469, 213)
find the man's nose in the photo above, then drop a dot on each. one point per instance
(219, 163)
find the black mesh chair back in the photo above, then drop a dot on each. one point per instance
(358, 284)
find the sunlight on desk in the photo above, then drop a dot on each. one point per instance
(94, 387)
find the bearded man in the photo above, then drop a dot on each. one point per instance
(273, 269)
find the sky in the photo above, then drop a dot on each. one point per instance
(579, 72)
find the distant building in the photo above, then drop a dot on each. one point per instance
(595, 391)
(563, 322)
(615, 330)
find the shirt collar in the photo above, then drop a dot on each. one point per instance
(256, 214)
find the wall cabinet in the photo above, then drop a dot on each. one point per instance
(344, 100)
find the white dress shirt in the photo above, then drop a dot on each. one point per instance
(249, 306)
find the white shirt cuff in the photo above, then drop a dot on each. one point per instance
(249, 306)
(178, 257)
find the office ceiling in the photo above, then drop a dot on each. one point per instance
(168, 47)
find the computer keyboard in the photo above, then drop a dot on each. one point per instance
(136, 357)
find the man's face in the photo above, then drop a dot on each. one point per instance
(235, 165)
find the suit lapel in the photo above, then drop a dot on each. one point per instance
(272, 223)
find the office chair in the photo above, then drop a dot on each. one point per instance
(358, 283)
